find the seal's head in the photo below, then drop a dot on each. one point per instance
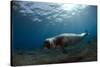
(47, 44)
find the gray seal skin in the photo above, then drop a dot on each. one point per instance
(64, 39)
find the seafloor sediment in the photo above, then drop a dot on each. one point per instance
(86, 52)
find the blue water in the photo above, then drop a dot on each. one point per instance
(27, 33)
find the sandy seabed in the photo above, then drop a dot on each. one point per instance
(52, 56)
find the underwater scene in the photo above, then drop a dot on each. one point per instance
(50, 33)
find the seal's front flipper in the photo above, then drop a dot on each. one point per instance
(63, 50)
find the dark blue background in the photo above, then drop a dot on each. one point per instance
(28, 34)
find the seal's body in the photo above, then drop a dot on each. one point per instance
(64, 40)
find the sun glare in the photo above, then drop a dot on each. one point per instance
(71, 7)
(68, 7)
